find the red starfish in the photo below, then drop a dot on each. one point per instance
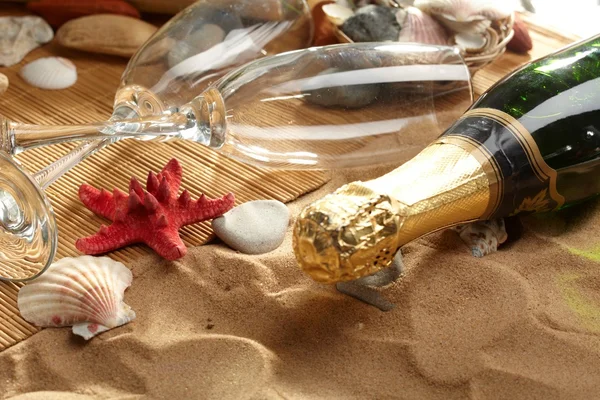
(152, 217)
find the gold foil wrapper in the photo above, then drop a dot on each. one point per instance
(357, 230)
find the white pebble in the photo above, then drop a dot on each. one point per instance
(255, 227)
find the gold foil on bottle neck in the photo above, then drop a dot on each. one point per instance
(356, 230)
(347, 234)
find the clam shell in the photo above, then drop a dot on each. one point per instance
(337, 14)
(473, 16)
(419, 27)
(84, 292)
(50, 73)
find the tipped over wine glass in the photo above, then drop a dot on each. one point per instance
(329, 107)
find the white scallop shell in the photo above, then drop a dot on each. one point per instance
(50, 73)
(472, 16)
(337, 14)
(84, 292)
(419, 27)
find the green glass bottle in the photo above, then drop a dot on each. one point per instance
(556, 99)
(531, 143)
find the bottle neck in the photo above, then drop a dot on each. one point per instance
(356, 231)
(442, 186)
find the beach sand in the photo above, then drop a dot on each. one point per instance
(522, 323)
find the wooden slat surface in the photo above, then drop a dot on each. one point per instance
(91, 99)
(204, 171)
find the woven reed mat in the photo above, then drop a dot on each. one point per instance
(91, 99)
(204, 171)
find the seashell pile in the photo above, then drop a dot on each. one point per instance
(50, 73)
(480, 29)
(83, 292)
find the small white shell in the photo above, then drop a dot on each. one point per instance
(337, 14)
(3, 83)
(419, 27)
(473, 16)
(470, 42)
(476, 42)
(50, 73)
(84, 292)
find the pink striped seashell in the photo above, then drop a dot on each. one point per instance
(419, 27)
(84, 292)
(472, 16)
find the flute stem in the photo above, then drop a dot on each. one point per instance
(52, 172)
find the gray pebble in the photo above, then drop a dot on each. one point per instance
(372, 24)
(346, 96)
(199, 41)
(255, 227)
(362, 288)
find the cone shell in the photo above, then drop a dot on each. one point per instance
(50, 73)
(471, 16)
(419, 27)
(84, 292)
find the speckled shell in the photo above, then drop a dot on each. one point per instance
(84, 292)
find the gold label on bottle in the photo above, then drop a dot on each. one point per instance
(520, 179)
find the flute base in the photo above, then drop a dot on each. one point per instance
(28, 232)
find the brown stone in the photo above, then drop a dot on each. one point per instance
(107, 34)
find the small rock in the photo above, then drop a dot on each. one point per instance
(3, 83)
(521, 42)
(348, 96)
(363, 288)
(20, 35)
(372, 24)
(199, 41)
(161, 7)
(106, 34)
(57, 12)
(255, 227)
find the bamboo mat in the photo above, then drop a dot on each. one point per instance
(204, 171)
(91, 99)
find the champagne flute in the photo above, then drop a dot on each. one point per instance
(329, 107)
(194, 48)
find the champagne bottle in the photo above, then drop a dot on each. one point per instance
(531, 143)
